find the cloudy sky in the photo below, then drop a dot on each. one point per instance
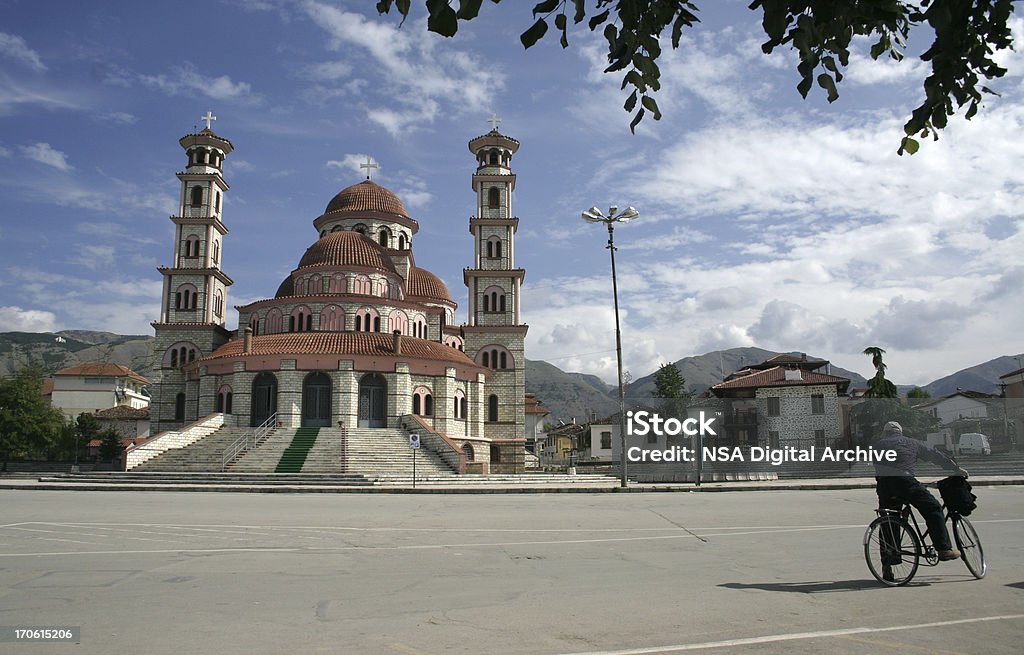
(766, 220)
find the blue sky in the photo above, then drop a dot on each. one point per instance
(765, 219)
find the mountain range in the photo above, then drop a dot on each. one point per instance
(568, 396)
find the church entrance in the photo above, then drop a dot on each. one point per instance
(264, 398)
(316, 401)
(373, 401)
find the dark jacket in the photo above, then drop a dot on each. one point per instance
(908, 451)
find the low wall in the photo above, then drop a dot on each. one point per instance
(170, 439)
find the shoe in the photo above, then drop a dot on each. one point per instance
(947, 555)
(887, 574)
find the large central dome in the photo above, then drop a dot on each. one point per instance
(366, 197)
(347, 249)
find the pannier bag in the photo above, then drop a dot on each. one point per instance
(956, 494)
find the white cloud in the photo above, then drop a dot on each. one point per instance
(187, 79)
(14, 46)
(419, 79)
(16, 319)
(864, 70)
(44, 153)
(329, 71)
(353, 162)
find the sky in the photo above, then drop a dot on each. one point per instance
(765, 219)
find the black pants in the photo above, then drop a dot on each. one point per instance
(893, 492)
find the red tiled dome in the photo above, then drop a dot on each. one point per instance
(287, 288)
(366, 197)
(424, 284)
(347, 248)
(340, 343)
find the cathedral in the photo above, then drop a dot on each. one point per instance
(357, 335)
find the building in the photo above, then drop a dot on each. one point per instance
(129, 422)
(93, 386)
(1013, 396)
(961, 405)
(784, 401)
(357, 335)
(535, 413)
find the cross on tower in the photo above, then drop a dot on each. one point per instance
(209, 118)
(494, 121)
(369, 166)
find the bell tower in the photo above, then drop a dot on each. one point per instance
(194, 302)
(495, 332)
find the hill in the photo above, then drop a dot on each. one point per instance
(980, 377)
(569, 395)
(53, 351)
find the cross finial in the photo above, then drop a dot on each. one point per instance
(494, 121)
(369, 166)
(209, 118)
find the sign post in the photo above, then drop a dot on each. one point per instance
(414, 443)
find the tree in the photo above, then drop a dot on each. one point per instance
(28, 425)
(878, 386)
(867, 418)
(967, 34)
(669, 382)
(917, 395)
(110, 445)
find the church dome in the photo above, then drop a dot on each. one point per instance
(347, 248)
(366, 197)
(424, 284)
(287, 288)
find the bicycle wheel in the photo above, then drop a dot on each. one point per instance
(892, 550)
(970, 547)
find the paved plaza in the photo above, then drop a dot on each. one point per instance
(543, 574)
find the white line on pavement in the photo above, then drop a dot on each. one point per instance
(792, 636)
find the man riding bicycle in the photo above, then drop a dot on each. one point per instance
(896, 484)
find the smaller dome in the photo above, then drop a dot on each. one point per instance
(287, 288)
(424, 284)
(366, 197)
(347, 248)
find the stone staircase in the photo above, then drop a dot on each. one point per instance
(204, 455)
(265, 457)
(385, 452)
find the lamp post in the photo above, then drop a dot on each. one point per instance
(594, 215)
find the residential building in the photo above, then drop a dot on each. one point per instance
(535, 415)
(961, 405)
(93, 386)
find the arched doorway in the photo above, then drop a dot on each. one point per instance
(316, 401)
(264, 398)
(373, 401)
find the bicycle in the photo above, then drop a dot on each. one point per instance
(894, 545)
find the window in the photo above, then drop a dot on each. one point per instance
(467, 452)
(399, 321)
(383, 289)
(493, 158)
(216, 252)
(493, 247)
(197, 196)
(773, 438)
(606, 440)
(332, 319)
(361, 285)
(401, 242)
(384, 238)
(179, 407)
(422, 402)
(493, 197)
(218, 202)
(218, 303)
(274, 321)
(192, 246)
(818, 403)
(367, 320)
(492, 408)
(459, 405)
(224, 399)
(254, 323)
(774, 408)
(819, 438)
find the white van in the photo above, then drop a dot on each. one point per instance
(974, 443)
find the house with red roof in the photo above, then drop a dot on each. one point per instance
(92, 386)
(787, 400)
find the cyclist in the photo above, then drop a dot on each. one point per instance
(896, 484)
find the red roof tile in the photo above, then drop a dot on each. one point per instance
(366, 196)
(341, 343)
(102, 370)
(347, 248)
(424, 284)
(776, 377)
(123, 412)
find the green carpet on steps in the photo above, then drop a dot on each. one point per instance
(294, 456)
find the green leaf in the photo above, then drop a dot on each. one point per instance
(651, 105)
(908, 145)
(468, 9)
(597, 20)
(630, 102)
(545, 7)
(826, 82)
(636, 121)
(581, 10)
(442, 19)
(403, 7)
(534, 34)
(560, 24)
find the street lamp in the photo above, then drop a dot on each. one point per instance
(594, 215)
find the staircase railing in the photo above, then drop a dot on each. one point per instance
(249, 439)
(436, 441)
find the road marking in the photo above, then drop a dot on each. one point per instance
(793, 636)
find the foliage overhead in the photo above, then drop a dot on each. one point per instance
(28, 425)
(966, 36)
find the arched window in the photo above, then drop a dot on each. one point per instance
(416, 404)
(224, 397)
(384, 238)
(492, 408)
(337, 228)
(254, 323)
(361, 285)
(462, 407)
(186, 297)
(493, 157)
(493, 197)
(216, 252)
(337, 284)
(197, 196)
(174, 358)
(428, 405)
(367, 320)
(218, 303)
(218, 211)
(332, 319)
(495, 357)
(467, 452)
(274, 321)
(422, 402)
(401, 242)
(301, 319)
(504, 360)
(487, 359)
(315, 285)
(419, 328)
(495, 454)
(179, 407)
(398, 321)
(360, 228)
(494, 247)
(192, 246)
(459, 404)
(383, 288)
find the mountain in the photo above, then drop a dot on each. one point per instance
(981, 377)
(53, 351)
(703, 371)
(569, 395)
